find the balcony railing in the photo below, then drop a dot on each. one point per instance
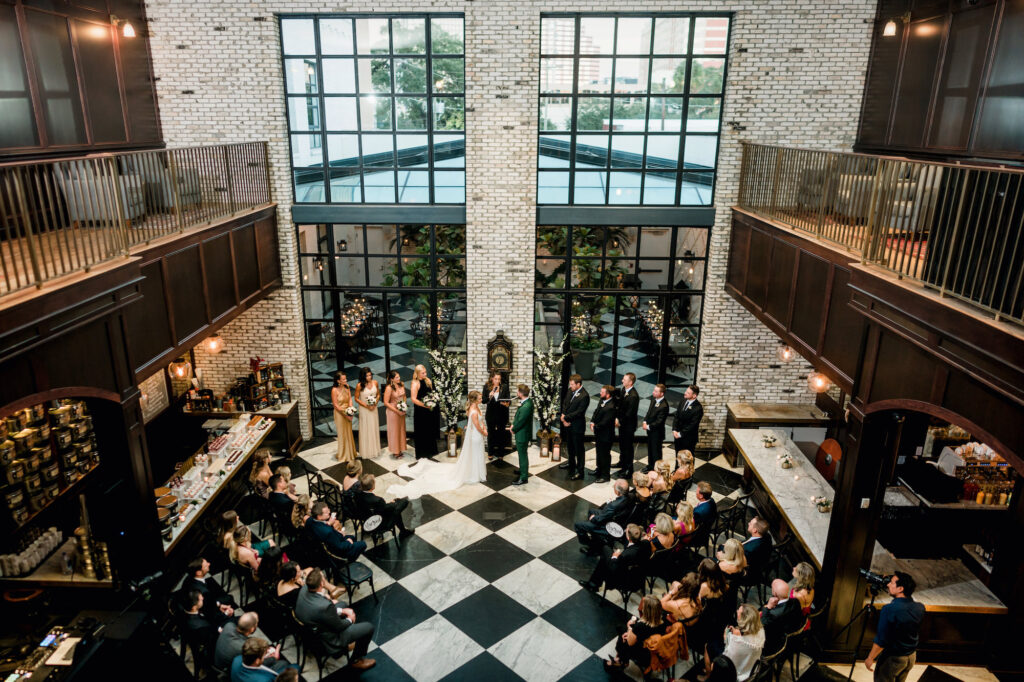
(65, 216)
(957, 229)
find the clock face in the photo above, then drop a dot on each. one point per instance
(499, 359)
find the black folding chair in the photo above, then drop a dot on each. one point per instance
(349, 573)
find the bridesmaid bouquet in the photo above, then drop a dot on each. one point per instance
(402, 406)
(371, 401)
(351, 411)
(430, 401)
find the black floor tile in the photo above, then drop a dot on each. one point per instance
(340, 470)
(588, 618)
(400, 559)
(589, 670)
(495, 511)
(560, 477)
(568, 559)
(484, 667)
(424, 510)
(500, 474)
(567, 511)
(395, 611)
(386, 670)
(488, 616)
(492, 557)
(722, 480)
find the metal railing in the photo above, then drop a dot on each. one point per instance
(957, 229)
(65, 216)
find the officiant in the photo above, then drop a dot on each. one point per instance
(497, 395)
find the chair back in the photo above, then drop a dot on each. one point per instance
(666, 649)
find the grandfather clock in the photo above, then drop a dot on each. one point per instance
(499, 356)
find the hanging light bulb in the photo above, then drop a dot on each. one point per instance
(128, 31)
(786, 353)
(180, 370)
(214, 344)
(818, 382)
(890, 29)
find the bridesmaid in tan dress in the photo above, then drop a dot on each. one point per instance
(341, 397)
(369, 421)
(394, 393)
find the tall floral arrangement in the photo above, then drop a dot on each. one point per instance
(450, 382)
(547, 375)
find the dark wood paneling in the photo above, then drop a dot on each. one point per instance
(184, 277)
(739, 252)
(219, 278)
(917, 77)
(266, 245)
(246, 264)
(843, 328)
(780, 282)
(902, 371)
(809, 299)
(148, 325)
(968, 397)
(757, 264)
(1001, 125)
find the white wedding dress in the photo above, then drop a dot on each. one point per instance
(430, 477)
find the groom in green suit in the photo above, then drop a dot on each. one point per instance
(521, 428)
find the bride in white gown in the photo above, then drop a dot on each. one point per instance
(435, 477)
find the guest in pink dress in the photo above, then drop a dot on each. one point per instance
(394, 394)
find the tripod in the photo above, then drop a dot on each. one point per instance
(864, 611)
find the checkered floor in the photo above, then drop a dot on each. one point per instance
(487, 587)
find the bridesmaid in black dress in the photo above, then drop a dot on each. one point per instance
(425, 421)
(497, 415)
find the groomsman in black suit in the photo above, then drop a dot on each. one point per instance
(574, 424)
(654, 425)
(687, 420)
(603, 426)
(626, 420)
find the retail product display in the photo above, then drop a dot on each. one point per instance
(264, 387)
(44, 449)
(34, 548)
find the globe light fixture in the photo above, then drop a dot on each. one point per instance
(214, 344)
(786, 353)
(180, 370)
(818, 382)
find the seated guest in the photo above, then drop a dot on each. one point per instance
(662, 533)
(218, 605)
(234, 636)
(280, 501)
(642, 486)
(721, 669)
(706, 510)
(345, 546)
(659, 475)
(801, 587)
(229, 523)
(270, 568)
(630, 646)
(285, 472)
(300, 514)
(242, 552)
(758, 547)
(369, 504)
(744, 641)
(591, 533)
(679, 482)
(781, 617)
(731, 559)
(336, 626)
(716, 611)
(353, 473)
(685, 523)
(259, 474)
(614, 566)
(292, 577)
(196, 628)
(288, 675)
(251, 664)
(682, 601)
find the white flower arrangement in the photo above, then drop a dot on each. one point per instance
(769, 440)
(450, 382)
(351, 411)
(785, 461)
(430, 402)
(547, 375)
(371, 401)
(823, 504)
(402, 406)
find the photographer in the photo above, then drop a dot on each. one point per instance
(899, 625)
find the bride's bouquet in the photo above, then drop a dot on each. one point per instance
(371, 401)
(402, 406)
(430, 401)
(351, 411)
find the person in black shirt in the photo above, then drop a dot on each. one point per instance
(603, 426)
(628, 404)
(280, 499)
(574, 422)
(630, 645)
(368, 503)
(899, 627)
(654, 425)
(218, 605)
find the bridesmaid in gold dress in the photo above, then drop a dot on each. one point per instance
(369, 422)
(394, 393)
(341, 398)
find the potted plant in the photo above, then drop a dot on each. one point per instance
(584, 342)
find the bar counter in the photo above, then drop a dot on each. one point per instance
(212, 477)
(790, 489)
(943, 585)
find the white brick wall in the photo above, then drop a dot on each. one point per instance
(795, 76)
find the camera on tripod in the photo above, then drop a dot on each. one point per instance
(877, 583)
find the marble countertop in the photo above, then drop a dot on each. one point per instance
(791, 489)
(943, 585)
(776, 412)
